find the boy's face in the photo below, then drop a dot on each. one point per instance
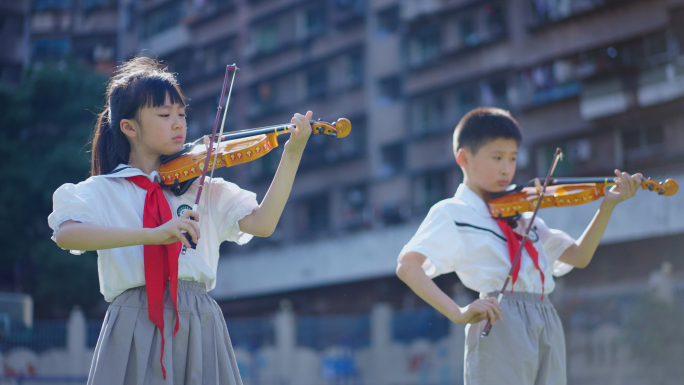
(491, 168)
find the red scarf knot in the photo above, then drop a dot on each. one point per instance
(161, 261)
(513, 240)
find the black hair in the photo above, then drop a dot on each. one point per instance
(485, 124)
(140, 82)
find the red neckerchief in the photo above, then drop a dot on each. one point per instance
(513, 240)
(161, 261)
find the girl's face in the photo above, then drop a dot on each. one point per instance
(492, 168)
(163, 128)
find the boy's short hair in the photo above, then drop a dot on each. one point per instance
(482, 125)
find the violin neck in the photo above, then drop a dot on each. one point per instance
(257, 131)
(562, 181)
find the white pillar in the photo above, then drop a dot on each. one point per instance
(76, 342)
(285, 340)
(381, 341)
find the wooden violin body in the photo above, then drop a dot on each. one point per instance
(235, 148)
(564, 192)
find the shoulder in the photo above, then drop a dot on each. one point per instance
(452, 206)
(91, 185)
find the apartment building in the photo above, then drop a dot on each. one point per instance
(13, 34)
(603, 80)
(86, 30)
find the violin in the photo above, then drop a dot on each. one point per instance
(177, 171)
(563, 192)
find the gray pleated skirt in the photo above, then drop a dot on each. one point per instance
(527, 347)
(129, 346)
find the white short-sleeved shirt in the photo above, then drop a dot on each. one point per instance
(112, 201)
(460, 235)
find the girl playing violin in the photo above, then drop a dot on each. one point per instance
(161, 326)
(460, 235)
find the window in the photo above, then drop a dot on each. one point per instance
(316, 82)
(656, 45)
(495, 20)
(313, 22)
(428, 47)
(467, 33)
(265, 38)
(355, 70)
(94, 4)
(466, 100)
(429, 189)
(354, 211)
(312, 214)
(262, 98)
(218, 55)
(642, 142)
(166, 17)
(389, 90)
(352, 146)
(46, 5)
(50, 48)
(388, 21)
(392, 161)
(429, 114)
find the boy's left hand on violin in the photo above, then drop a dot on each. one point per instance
(299, 133)
(625, 187)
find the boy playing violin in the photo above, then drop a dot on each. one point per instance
(459, 235)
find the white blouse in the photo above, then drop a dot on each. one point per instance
(460, 235)
(112, 201)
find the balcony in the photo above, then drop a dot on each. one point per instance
(603, 98)
(661, 84)
(167, 41)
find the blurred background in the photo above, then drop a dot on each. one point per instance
(318, 302)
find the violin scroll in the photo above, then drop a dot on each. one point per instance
(338, 129)
(668, 188)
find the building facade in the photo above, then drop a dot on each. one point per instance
(603, 80)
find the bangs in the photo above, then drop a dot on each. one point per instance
(151, 91)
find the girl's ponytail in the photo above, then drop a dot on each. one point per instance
(110, 146)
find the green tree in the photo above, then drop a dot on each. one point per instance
(45, 125)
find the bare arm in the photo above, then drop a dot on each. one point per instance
(264, 219)
(580, 254)
(411, 272)
(84, 236)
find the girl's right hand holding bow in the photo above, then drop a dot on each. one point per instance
(175, 230)
(73, 235)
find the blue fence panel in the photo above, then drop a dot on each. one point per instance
(93, 327)
(320, 332)
(426, 323)
(251, 333)
(45, 334)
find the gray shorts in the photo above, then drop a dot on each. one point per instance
(528, 347)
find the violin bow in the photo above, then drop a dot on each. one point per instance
(210, 147)
(556, 157)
